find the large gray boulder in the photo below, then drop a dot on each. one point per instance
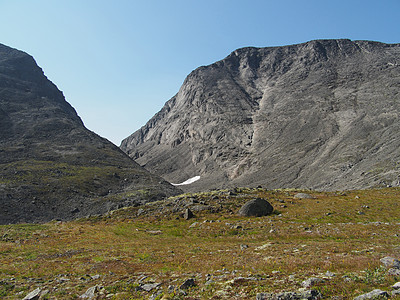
(256, 208)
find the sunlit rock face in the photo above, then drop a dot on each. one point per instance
(322, 115)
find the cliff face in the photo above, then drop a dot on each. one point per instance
(51, 166)
(321, 115)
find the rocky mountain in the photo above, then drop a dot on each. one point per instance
(51, 166)
(322, 115)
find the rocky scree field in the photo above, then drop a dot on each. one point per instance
(327, 245)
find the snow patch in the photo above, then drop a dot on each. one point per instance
(189, 181)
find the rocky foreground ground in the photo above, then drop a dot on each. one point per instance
(314, 245)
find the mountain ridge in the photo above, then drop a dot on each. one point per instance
(300, 103)
(51, 166)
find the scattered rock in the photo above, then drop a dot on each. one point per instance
(393, 272)
(187, 284)
(34, 295)
(372, 295)
(194, 224)
(262, 247)
(311, 282)
(329, 274)
(303, 196)
(149, 286)
(309, 295)
(256, 207)
(243, 246)
(395, 292)
(188, 214)
(91, 293)
(239, 280)
(156, 232)
(390, 262)
(396, 286)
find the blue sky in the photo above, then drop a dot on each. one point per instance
(119, 61)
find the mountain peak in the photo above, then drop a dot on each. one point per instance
(310, 115)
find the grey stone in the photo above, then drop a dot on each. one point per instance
(303, 196)
(194, 224)
(91, 293)
(149, 286)
(390, 262)
(393, 272)
(311, 282)
(373, 294)
(396, 286)
(300, 295)
(188, 214)
(188, 284)
(243, 246)
(256, 208)
(34, 295)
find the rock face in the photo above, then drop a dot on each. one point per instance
(51, 166)
(320, 115)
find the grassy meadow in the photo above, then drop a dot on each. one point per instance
(337, 236)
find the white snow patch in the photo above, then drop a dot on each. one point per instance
(189, 181)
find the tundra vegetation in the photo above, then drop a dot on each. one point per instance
(149, 251)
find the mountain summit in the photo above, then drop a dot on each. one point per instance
(51, 166)
(322, 114)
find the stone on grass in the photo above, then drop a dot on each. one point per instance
(390, 262)
(303, 196)
(396, 286)
(187, 284)
(393, 272)
(256, 208)
(309, 295)
(91, 293)
(311, 282)
(372, 295)
(34, 295)
(149, 286)
(188, 214)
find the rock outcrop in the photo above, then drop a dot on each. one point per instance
(51, 166)
(321, 115)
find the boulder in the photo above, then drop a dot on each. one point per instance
(188, 214)
(34, 295)
(311, 282)
(303, 196)
(187, 284)
(390, 262)
(373, 295)
(91, 293)
(256, 208)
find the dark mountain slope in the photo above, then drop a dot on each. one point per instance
(51, 166)
(321, 115)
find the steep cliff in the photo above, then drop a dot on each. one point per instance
(322, 115)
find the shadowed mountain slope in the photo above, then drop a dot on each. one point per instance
(51, 166)
(322, 114)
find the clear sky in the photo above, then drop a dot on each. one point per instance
(119, 61)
